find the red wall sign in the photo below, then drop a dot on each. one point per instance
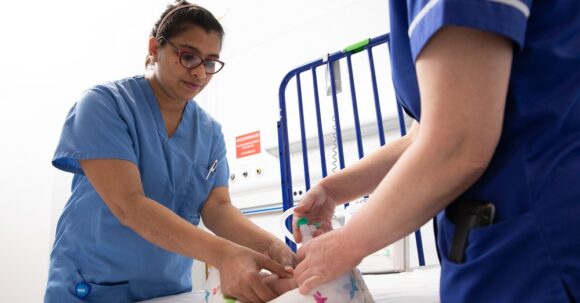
(248, 144)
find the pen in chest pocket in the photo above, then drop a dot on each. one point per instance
(212, 169)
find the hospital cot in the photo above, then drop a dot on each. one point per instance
(315, 154)
(318, 132)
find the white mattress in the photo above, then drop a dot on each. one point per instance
(417, 286)
(188, 297)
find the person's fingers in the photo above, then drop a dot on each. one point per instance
(252, 297)
(326, 225)
(300, 211)
(300, 256)
(269, 278)
(262, 291)
(319, 232)
(304, 275)
(295, 230)
(305, 205)
(274, 267)
(288, 257)
(248, 295)
(289, 269)
(310, 284)
(303, 265)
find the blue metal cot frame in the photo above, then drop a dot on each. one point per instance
(283, 143)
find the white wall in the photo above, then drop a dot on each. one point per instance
(262, 47)
(53, 50)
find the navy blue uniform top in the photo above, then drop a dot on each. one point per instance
(532, 252)
(122, 120)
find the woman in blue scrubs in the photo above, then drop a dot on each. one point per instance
(148, 164)
(494, 87)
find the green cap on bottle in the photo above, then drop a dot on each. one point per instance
(302, 221)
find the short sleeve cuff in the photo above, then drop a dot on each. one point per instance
(219, 152)
(504, 17)
(70, 161)
(222, 175)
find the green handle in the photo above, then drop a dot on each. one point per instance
(356, 47)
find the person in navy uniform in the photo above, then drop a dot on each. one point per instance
(494, 88)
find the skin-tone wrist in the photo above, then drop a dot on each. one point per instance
(327, 184)
(221, 253)
(264, 245)
(357, 248)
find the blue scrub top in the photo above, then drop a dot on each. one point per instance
(122, 120)
(532, 252)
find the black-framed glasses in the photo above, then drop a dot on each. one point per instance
(190, 60)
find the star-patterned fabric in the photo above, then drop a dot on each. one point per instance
(349, 288)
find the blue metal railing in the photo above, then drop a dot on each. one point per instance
(283, 143)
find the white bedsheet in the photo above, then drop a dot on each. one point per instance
(188, 297)
(417, 286)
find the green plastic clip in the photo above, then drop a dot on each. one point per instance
(302, 221)
(357, 47)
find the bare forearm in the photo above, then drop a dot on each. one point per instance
(162, 227)
(419, 185)
(228, 222)
(364, 176)
(463, 76)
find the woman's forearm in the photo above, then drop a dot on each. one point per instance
(160, 226)
(231, 224)
(363, 177)
(225, 220)
(422, 182)
(463, 75)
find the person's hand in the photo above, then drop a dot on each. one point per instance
(281, 253)
(317, 206)
(324, 259)
(240, 274)
(277, 285)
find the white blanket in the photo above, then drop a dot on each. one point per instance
(417, 286)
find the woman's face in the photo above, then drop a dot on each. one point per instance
(177, 82)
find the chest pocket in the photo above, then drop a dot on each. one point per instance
(199, 187)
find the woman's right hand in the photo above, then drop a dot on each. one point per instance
(240, 274)
(317, 206)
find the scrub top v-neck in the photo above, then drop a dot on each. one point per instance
(122, 120)
(532, 251)
(183, 125)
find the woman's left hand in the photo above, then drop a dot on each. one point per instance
(324, 259)
(281, 253)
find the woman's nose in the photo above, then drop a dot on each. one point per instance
(199, 71)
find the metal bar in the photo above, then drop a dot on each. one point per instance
(285, 169)
(319, 123)
(401, 116)
(376, 96)
(303, 134)
(284, 153)
(336, 116)
(286, 179)
(355, 108)
(419, 241)
(264, 210)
